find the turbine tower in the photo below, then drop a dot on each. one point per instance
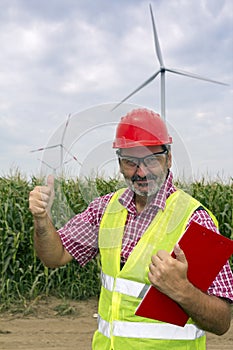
(162, 71)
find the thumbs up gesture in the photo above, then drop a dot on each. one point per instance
(41, 199)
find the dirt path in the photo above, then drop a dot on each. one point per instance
(52, 324)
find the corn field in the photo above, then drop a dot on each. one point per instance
(22, 275)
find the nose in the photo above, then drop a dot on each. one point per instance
(141, 170)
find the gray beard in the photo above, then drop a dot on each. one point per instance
(152, 190)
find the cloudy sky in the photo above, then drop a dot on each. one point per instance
(62, 57)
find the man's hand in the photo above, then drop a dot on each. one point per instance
(41, 199)
(169, 275)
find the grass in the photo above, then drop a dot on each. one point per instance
(22, 275)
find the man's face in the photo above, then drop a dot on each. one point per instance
(145, 176)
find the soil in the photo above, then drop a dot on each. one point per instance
(54, 324)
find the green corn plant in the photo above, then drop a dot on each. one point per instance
(23, 276)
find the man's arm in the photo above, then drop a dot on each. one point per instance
(169, 275)
(47, 242)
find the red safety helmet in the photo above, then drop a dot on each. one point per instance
(141, 127)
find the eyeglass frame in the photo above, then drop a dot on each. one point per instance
(139, 160)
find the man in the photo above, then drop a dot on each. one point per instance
(134, 230)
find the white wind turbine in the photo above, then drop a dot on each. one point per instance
(62, 149)
(162, 70)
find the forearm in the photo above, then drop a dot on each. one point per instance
(47, 242)
(210, 313)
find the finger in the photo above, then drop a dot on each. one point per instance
(44, 196)
(37, 209)
(40, 193)
(162, 254)
(155, 260)
(50, 182)
(39, 201)
(151, 267)
(153, 276)
(40, 189)
(179, 253)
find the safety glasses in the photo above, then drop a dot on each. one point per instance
(151, 161)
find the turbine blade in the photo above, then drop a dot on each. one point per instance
(136, 90)
(49, 166)
(37, 150)
(68, 119)
(65, 128)
(44, 148)
(195, 76)
(156, 40)
(73, 157)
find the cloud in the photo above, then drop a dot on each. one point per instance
(60, 57)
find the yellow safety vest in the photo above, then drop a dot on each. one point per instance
(122, 289)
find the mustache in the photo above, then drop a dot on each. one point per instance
(144, 178)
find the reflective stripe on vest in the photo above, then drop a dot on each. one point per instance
(141, 329)
(149, 330)
(124, 286)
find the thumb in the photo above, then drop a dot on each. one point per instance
(180, 256)
(50, 182)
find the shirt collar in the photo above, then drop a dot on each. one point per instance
(127, 198)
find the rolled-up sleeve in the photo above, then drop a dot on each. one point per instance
(80, 234)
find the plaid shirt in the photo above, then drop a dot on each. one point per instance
(80, 235)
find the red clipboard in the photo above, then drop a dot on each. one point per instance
(206, 253)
